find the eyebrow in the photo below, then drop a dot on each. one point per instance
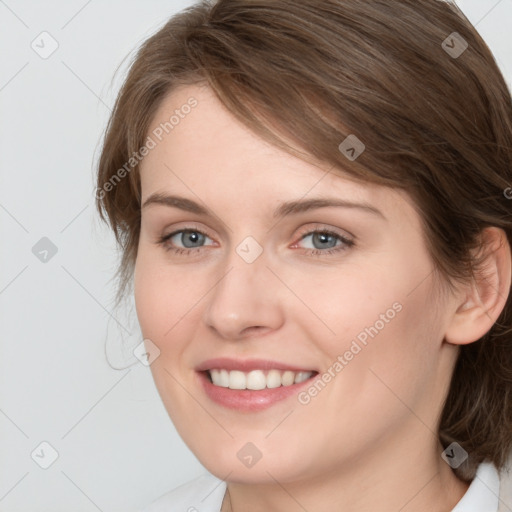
(284, 209)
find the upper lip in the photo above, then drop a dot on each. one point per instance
(246, 365)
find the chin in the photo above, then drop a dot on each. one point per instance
(229, 464)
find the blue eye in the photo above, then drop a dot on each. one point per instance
(186, 236)
(325, 236)
(192, 239)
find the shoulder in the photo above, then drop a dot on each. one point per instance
(203, 494)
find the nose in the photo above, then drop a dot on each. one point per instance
(246, 299)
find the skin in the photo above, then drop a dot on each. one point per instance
(368, 440)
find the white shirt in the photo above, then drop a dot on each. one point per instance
(205, 494)
(482, 494)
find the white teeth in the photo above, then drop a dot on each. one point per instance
(215, 375)
(220, 377)
(301, 377)
(256, 379)
(288, 378)
(237, 380)
(273, 379)
(224, 379)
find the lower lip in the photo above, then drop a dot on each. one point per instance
(248, 399)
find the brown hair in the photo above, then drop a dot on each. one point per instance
(435, 124)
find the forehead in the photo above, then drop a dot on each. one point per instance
(202, 149)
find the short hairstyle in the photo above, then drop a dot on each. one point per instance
(412, 79)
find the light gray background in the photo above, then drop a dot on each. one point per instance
(117, 449)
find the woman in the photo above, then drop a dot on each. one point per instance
(313, 201)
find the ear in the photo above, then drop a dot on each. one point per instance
(483, 300)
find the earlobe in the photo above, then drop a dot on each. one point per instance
(487, 295)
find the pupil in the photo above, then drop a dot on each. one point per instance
(194, 235)
(323, 237)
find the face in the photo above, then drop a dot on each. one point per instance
(328, 314)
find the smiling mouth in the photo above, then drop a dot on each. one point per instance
(256, 379)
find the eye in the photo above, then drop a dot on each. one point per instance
(325, 241)
(191, 238)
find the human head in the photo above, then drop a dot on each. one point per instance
(316, 72)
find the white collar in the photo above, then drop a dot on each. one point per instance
(482, 494)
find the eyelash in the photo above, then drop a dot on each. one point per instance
(347, 243)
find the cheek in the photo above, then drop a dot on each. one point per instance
(374, 324)
(161, 304)
(353, 303)
(144, 296)
(155, 296)
(167, 303)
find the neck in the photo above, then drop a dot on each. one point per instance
(406, 480)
